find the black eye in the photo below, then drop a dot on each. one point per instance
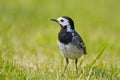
(62, 20)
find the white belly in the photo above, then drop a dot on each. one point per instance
(69, 50)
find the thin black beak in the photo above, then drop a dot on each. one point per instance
(54, 20)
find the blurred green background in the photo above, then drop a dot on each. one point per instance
(27, 36)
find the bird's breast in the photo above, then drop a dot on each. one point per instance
(69, 50)
(65, 37)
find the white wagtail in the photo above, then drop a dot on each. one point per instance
(69, 41)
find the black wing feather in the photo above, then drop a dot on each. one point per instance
(77, 40)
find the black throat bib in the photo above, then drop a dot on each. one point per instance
(65, 37)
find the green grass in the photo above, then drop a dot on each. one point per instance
(28, 49)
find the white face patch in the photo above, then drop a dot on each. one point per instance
(64, 22)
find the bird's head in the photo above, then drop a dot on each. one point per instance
(65, 23)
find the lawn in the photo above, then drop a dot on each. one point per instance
(28, 48)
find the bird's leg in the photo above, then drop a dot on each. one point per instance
(76, 60)
(67, 62)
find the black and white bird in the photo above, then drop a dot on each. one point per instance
(69, 41)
